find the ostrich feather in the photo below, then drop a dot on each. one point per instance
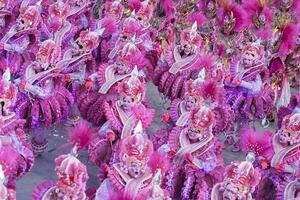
(158, 161)
(197, 17)
(288, 39)
(209, 89)
(81, 135)
(110, 25)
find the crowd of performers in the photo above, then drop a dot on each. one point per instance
(224, 66)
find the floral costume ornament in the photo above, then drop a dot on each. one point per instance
(131, 176)
(239, 183)
(196, 155)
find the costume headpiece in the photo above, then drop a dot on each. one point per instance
(136, 146)
(133, 86)
(191, 37)
(203, 118)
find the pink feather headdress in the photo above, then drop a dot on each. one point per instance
(210, 90)
(143, 114)
(136, 146)
(109, 24)
(259, 17)
(258, 143)
(190, 36)
(133, 87)
(288, 38)
(206, 61)
(234, 13)
(197, 17)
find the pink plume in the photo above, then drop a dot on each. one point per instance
(81, 135)
(110, 25)
(260, 144)
(239, 15)
(252, 7)
(209, 89)
(144, 114)
(264, 33)
(197, 17)
(158, 161)
(206, 61)
(288, 39)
